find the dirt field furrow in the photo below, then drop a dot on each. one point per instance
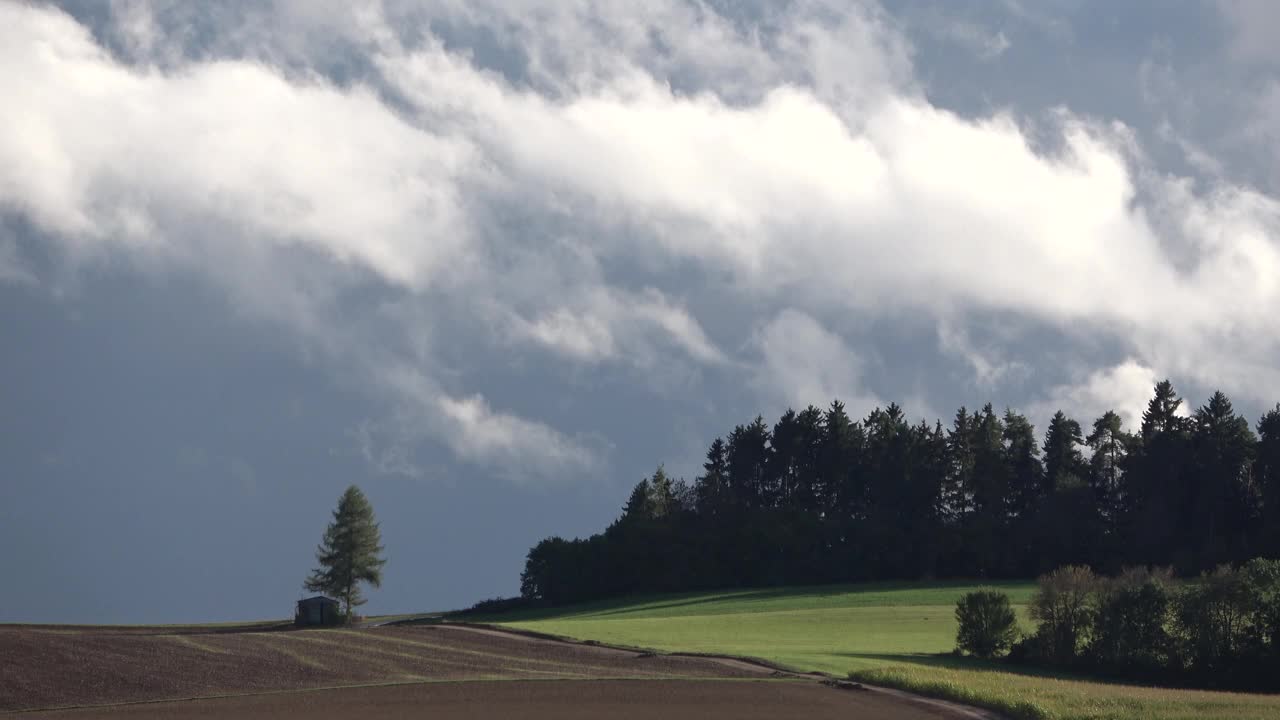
(473, 656)
(545, 700)
(438, 671)
(43, 669)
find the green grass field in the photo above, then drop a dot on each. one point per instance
(888, 634)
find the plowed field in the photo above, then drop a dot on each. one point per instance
(562, 700)
(441, 671)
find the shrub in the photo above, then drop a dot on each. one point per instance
(495, 606)
(1062, 604)
(988, 624)
(1261, 651)
(1129, 623)
(1262, 583)
(1031, 649)
(1212, 617)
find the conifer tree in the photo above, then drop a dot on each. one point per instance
(1110, 445)
(1062, 456)
(1267, 472)
(1222, 502)
(1025, 471)
(639, 504)
(839, 461)
(712, 488)
(350, 554)
(1158, 480)
(959, 496)
(662, 497)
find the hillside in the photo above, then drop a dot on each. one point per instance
(889, 634)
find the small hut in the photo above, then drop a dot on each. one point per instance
(318, 610)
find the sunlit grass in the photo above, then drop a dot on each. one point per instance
(888, 634)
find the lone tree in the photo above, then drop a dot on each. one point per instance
(350, 552)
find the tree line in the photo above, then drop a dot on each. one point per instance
(820, 497)
(1219, 630)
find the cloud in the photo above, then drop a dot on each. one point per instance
(102, 154)
(12, 268)
(802, 364)
(388, 448)
(990, 46)
(973, 37)
(482, 435)
(615, 185)
(793, 195)
(1125, 388)
(512, 447)
(988, 368)
(229, 166)
(1251, 23)
(604, 324)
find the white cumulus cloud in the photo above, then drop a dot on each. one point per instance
(711, 178)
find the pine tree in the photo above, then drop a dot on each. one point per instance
(1110, 445)
(1025, 473)
(639, 503)
(1024, 496)
(1161, 415)
(990, 469)
(959, 492)
(747, 455)
(990, 488)
(839, 462)
(662, 497)
(930, 471)
(711, 489)
(782, 464)
(1062, 456)
(886, 541)
(803, 491)
(1222, 503)
(350, 553)
(1267, 474)
(1070, 527)
(1158, 493)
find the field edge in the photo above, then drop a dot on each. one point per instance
(954, 704)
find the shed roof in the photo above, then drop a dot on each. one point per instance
(319, 599)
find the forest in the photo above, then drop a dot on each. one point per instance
(820, 497)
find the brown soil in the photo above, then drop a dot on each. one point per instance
(568, 700)
(406, 671)
(214, 629)
(44, 668)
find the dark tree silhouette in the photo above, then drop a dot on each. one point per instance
(1158, 478)
(821, 497)
(1267, 475)
(1223, 503)
(1109, 444)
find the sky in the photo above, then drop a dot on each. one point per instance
(493, 262)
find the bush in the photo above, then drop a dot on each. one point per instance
(1262, 630)
(1030, 650)
(496, 606)
(1262, 583)
(1129, 623)
(1063, 605)
(1221, 630)
(1212, 617)
(988, 624)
